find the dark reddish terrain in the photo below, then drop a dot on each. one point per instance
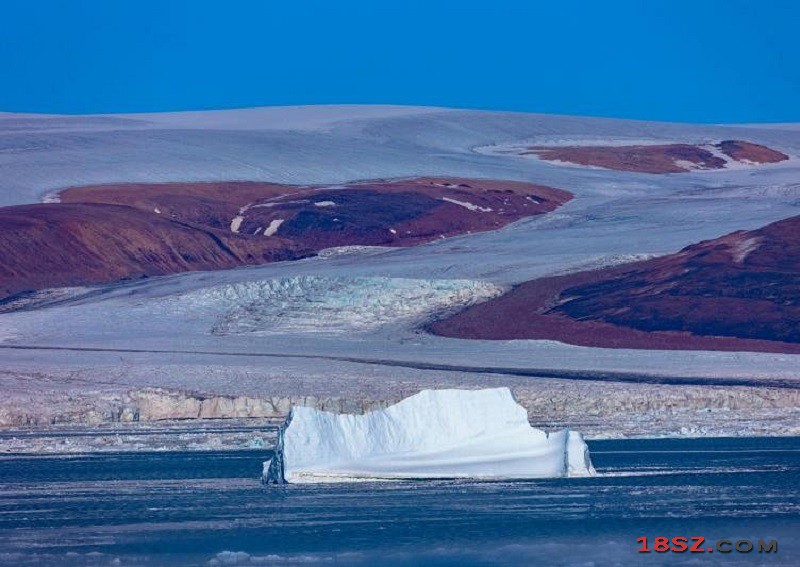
(740, 292)
(56, 245)
(663, 158)
(113, 232)
(747, 151)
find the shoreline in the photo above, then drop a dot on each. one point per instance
(214, 437)
(146, 419)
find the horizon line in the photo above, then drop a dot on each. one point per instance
(432, 108)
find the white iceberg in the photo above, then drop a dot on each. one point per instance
(435, 434)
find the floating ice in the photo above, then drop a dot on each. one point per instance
(435, 434)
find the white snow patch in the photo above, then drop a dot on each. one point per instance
(325, 204)
(52, 197)
(720, 154)
(468, 205)
(745, 248)
(686, 164)
(236, 222)
(157, 211)
(273, 204)
(435, 434)
(273, 227)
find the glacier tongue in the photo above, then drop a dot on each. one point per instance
(435, 434)
(324, 305)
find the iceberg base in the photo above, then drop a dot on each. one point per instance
(435, 434)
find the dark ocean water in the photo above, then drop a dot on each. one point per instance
(182, 508)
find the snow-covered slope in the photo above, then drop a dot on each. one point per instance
(480, 434)
(316, 144)
(615, 217)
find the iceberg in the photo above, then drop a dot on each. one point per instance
(435, 434)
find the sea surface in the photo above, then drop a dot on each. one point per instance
(209, 508)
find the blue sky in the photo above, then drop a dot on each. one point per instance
(698, 61)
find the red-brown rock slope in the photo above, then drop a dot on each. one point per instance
(737, 292)
(661, 158)
(113, 232)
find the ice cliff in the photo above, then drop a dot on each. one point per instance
(435, 434)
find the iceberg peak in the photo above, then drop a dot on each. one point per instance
(435, 434)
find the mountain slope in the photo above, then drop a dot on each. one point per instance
(108, 233)
(737, 292)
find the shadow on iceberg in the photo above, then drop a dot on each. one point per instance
(435, 434)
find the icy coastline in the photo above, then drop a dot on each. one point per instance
(435, 434)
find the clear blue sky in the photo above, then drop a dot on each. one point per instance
(699, 60)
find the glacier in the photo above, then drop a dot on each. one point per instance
(299, 338)
(326, 305)
(435, 434)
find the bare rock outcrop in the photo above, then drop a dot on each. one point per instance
(109, 233)
(739, 292)
(660, 158)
